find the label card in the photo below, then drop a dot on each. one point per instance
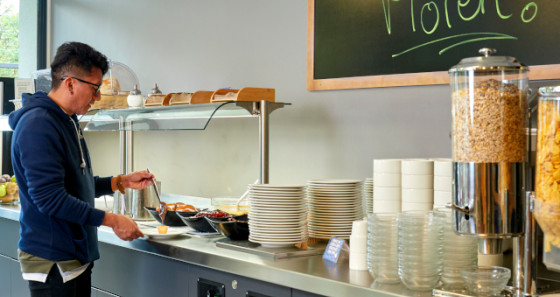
(332, 251)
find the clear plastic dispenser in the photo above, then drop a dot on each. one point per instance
(546, 206)
(489, 110)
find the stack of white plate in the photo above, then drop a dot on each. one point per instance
(368, 196)
(333, 206)
(278, 215)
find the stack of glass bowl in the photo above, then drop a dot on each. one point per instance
(420, 249)
(459, 252)
(382, 247)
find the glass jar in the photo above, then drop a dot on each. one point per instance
(489, 109)
(546, 206)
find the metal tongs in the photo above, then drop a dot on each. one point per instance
(155, 186)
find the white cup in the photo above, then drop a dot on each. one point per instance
(387, 179)
(359, 277)
(387, 165)
(442, 197)
(358, 261)
(417, 181)
(359, 228)
(409, 206)
(417, 166)
(442, 183)
(418, 195)
(386, 193)
(390, 206)
(358, 244)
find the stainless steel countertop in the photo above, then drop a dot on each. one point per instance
(307, 273)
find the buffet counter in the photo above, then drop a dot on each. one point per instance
(192, 256)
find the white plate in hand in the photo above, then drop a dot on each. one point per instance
(153, 233)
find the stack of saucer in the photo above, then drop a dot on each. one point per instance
(443, 170)
(333, 206)
(387, 185)
(278, 214)
(417, 184)
(368, 197)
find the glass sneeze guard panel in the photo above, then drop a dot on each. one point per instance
(177, 117)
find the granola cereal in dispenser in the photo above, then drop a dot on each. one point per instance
(489, 104)
(546, 208)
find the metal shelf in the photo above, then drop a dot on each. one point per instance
(178, 117)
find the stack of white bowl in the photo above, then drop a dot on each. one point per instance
(333, 205)
(443, 171)
(278, 215)
(417, 184)
(368, 196)
(386, 185)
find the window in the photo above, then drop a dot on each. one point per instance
(9, 38)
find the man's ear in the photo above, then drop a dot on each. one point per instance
(68, 84)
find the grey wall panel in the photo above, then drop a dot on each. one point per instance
(194, 45)
(129, 273)
(20, 286)
(10, 237)
(5, 276)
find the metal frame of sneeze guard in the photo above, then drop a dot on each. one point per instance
(183, 117)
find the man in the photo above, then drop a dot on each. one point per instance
(58, 221)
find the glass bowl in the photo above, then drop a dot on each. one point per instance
(229, 205)
(486, 280)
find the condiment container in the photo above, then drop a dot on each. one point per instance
(135, 98)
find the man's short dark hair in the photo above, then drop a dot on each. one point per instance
(76, 58)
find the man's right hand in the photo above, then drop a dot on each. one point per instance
(124, 227)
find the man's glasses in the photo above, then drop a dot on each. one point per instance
(97, 87)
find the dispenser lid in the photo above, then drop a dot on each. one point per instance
(553, 91)
(488, 63)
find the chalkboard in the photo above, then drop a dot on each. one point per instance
(383, 43)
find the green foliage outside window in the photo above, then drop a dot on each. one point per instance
(9, 41)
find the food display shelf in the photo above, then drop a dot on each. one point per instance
(184, 117)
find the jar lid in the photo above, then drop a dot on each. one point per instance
(549, 91)
(488, 63)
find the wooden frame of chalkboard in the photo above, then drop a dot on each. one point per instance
(344, 52)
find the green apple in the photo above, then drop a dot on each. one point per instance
(2, 190)
(14, 178)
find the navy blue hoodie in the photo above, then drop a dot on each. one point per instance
(58, 220)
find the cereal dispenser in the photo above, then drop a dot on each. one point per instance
(489, 110)
(546, 205)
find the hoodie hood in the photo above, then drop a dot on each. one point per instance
(37, 100)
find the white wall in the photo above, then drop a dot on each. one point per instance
(193, 45)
